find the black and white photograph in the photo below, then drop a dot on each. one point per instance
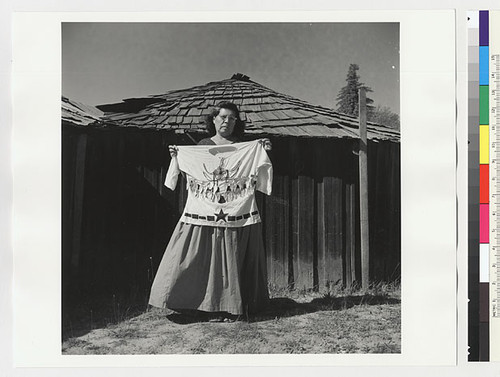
(230, 188)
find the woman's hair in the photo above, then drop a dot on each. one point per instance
(239, 125)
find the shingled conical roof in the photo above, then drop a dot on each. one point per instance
(265, 112)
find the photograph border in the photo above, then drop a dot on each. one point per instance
(426, 311)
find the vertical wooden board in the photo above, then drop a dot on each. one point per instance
(147, 174)
(120, 183)
(151, 221)
(348, 237)
(306, 234)
(111, 209)
(373, 188)
(379, 218)
(356, 260)
(316, 167)
(346, 173)
(337, 219)
(78, 200)
(355, 239)
(294, 232)
(275, 224)
(282, 160)
(69, 148)
(95, 208)
(284, 231)
(269, 223)
(318, 206)
(163, 174)
(384, 214)
(395, 213)
(321, 232)
(120, 241)
(383, 210)
(90, 222)
(158, 179)
(375, 177)
(68, 187)
(390, 260)
(329, 193)
(334, 230)
(108, 271)
(302, 188)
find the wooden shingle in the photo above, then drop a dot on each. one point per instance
(265, 111)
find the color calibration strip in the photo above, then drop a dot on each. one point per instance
(479, 230)
(484, 167)
(484, 185)
(494, 183)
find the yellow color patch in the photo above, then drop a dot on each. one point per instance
(484, 145)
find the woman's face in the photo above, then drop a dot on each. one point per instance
(224, 122)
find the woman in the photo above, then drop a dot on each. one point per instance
(215, 262)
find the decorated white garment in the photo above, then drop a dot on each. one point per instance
(221, 182)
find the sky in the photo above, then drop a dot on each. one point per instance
(107, 62)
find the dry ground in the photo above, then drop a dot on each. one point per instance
(300, 323)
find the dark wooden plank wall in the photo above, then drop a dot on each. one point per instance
(384, 210)
(126, 222)
(310, 222)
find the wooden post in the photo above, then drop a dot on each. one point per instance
(363, 190)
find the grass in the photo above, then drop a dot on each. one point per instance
(86, 314)
(333, 321)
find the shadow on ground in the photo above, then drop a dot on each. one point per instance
(280, 307)
(79, 320)
(286, 307)
(283, 307)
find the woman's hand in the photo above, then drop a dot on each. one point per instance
(266, 143)
(173, 150)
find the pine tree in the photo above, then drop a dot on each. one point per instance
(348, 97)
(385, 116)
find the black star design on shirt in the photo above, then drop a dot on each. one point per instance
(221, 215)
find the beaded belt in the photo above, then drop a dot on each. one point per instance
(221, 216)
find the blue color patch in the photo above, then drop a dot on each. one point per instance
(484, 58)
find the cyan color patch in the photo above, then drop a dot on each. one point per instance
(484, 65)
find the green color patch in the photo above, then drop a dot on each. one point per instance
(484, 104)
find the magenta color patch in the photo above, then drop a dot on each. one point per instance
(484, 223)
